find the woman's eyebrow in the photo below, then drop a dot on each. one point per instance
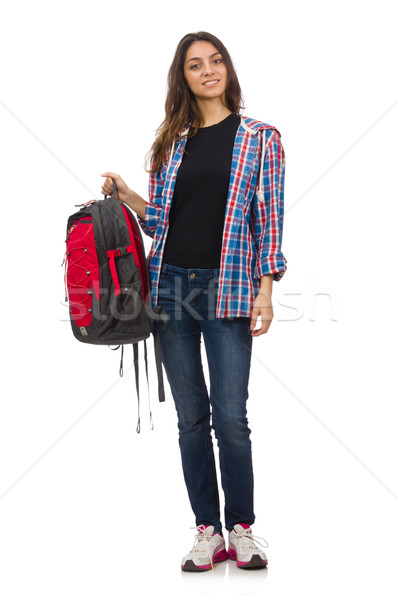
(199, 58)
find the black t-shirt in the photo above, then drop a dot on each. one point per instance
(197, 213)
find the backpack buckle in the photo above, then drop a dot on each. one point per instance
(121, 251)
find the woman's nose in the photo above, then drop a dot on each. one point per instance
(208, 70)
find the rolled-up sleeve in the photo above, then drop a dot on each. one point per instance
(154, 207)
(267, 216)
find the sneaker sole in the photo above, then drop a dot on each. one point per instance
(256, 561)
(191, 566)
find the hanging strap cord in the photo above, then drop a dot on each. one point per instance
(121, 369)
(136, 366)
(159, 369)
(148, 389)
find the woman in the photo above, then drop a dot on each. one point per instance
(215, 213)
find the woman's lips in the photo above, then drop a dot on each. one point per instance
(211, 83)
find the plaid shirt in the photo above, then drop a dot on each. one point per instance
(252, 233)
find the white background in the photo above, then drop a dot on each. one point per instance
(89, 509)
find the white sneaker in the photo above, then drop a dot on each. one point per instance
(243, 548)
(208, 548)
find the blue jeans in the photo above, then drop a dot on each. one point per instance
(188, 297)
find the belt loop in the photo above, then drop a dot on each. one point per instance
(163, 269)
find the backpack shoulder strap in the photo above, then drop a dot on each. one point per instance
(157, 354)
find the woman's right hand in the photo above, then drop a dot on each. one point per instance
(123, 191)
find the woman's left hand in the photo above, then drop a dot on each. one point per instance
(262, 307)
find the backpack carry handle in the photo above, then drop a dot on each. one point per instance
(114, 193)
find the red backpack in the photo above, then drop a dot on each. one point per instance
(108, 285)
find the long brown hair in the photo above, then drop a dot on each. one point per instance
(181, 106)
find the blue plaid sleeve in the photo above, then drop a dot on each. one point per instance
(154, 210)
(267, 215)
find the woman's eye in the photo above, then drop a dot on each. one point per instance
(216, 61)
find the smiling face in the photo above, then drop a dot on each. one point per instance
(205, 72)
